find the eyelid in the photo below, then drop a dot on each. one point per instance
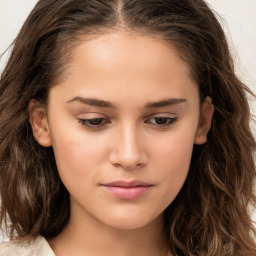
(103, 120)
(158, 115)
(171, 119)
(85, 122)
(91, 115)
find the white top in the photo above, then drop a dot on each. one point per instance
(26, 247)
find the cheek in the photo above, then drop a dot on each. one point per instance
(176, 148)
(177, 161)
(172, 162)
(76, 154)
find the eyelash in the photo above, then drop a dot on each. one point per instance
(87, 124)
(103, 122)
(169, 121)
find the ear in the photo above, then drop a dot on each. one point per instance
(205, 120)
(39, 123)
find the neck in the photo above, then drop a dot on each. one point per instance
(88, 236)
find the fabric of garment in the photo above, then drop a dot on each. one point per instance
(26, 247)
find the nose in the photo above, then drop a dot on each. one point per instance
(127, 149)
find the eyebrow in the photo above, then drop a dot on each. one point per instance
(107, 104)
(165, 103)
(92, 102)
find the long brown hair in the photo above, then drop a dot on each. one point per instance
(210, 215)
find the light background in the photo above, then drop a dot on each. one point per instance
(238, 17)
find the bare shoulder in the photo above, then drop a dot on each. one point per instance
(26, 247)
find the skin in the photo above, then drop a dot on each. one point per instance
(147, 133)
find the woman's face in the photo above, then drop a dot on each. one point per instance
(122, 125)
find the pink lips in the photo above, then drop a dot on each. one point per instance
(127, 190)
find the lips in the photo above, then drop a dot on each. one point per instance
(127, 190)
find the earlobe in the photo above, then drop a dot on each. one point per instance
(205, 121)
(39, 123)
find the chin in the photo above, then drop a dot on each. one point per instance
(133, 221)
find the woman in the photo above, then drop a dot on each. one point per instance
(125, 130)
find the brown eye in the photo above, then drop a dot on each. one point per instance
(94, 122)
(162, 121)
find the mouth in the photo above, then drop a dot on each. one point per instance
(127, 190)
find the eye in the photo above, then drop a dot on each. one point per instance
(94, 123)
(162, 121)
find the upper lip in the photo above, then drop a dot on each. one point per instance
(127, 184)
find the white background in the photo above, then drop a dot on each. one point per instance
(239, 18)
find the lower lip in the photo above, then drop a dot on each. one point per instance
(127, 193)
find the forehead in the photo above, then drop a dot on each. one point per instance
(130, 48)
(127, 63)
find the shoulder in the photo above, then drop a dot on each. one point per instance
(26, 247)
